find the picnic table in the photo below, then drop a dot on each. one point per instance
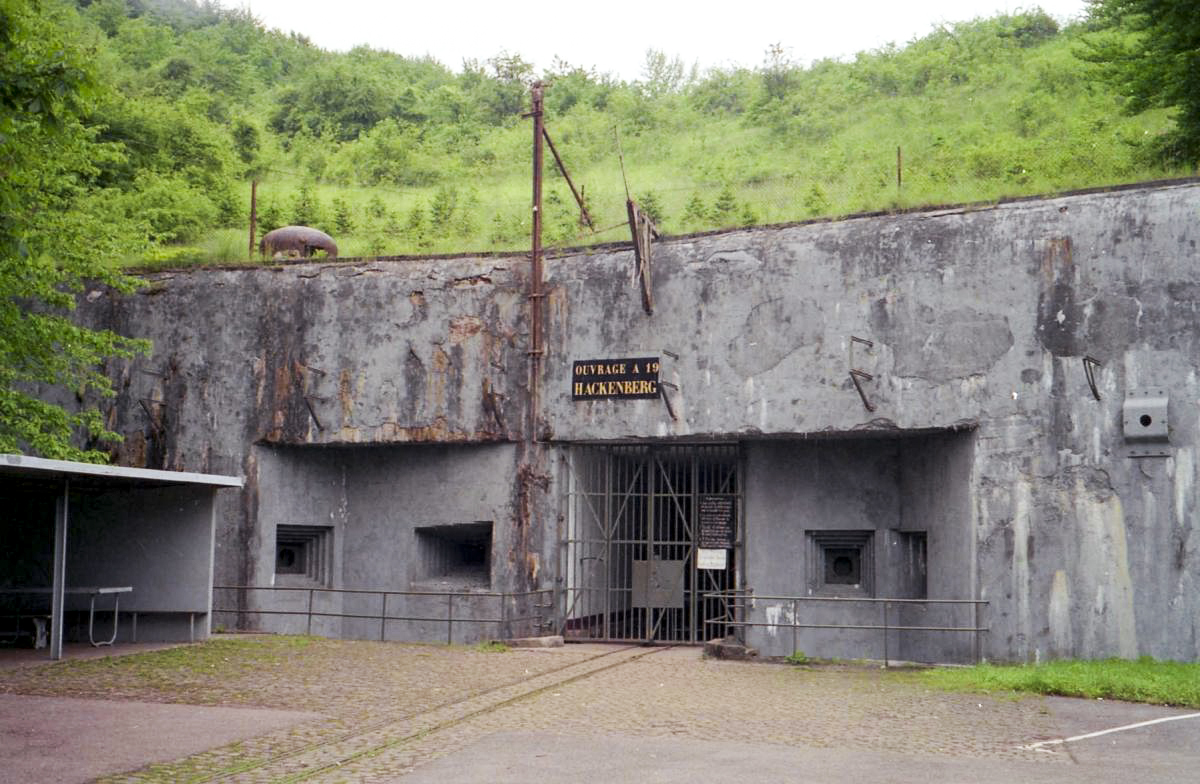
(92, 592)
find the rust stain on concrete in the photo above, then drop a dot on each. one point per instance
(463, 328)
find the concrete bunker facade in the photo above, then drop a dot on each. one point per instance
(990, 443)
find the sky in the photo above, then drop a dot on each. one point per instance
(613, 36)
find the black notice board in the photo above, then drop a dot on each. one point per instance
(629, 379)
(716, 520)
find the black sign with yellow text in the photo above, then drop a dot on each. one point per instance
(628, 379)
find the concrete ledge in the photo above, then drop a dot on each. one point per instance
(553, 641)
(722, 648)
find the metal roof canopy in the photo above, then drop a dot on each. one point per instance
(62, 474)
(41, 468)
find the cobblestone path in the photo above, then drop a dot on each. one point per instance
(388, 708)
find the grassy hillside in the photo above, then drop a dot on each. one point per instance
(397, 155)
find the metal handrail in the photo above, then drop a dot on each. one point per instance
(383, 617)
(735, 600)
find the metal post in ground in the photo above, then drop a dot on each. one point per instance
(382, 616)
(795, 620)
(449, 619)
(308, 628)
(977, 646)
(885, 634)
(253, 214)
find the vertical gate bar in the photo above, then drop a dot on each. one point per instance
(558, 587)
(608, 528)
(694, 572)
(622, 560)
(737, 580)
(449, 619)
(382, 616)
(651, 477)
(308, 628)
(619, 563)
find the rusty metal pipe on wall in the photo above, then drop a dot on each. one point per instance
(535, 279)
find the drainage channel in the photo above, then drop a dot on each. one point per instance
(365, 742)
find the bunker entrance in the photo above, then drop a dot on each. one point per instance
(650, 530)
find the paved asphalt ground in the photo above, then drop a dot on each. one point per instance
(267, 709)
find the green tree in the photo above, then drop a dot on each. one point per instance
(694, 212)
(343, 217)
(270, 216)
(652, 206)
(1150, 51)
(415, 230)
(724, 207)
(441, 210)
(306, 209)
(815, 201)
(661, 75)
(57, 232)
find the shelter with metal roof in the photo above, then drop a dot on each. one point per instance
(98, 551)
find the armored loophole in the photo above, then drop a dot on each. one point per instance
(843, 566)
(458, 555)
(303, 554)
(285, 559)
(1146, 420)
(841, 562)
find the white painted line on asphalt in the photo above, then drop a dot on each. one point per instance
(1056, 741)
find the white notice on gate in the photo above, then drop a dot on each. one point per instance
(710, 558)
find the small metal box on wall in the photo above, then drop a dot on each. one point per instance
(1145, 423)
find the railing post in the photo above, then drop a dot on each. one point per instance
(975, 607)
(885, 634)
(382, 616)
(795, 629)
(308, 626)
(449, 619)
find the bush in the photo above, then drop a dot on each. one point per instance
(173, 210)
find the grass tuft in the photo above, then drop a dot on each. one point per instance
(492, 646)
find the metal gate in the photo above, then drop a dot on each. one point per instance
(632, 535)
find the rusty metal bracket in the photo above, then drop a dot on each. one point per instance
(1089, 369)
(311, 369)
(578, 194)
(862, 342)
(670, 354)
(644, 233)
(313, 413)
(855, 375)
(667, 400)
(492, 403)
